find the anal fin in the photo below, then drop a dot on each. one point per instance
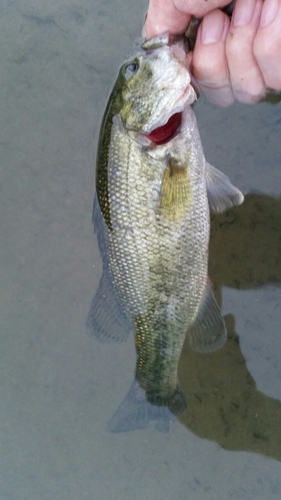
(208, 332)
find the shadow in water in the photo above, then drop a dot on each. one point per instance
(223, 402)
(245, 245)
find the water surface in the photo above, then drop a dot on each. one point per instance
(59, 388)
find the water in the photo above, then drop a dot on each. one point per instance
(58, 387)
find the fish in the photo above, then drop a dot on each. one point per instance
(154, 193)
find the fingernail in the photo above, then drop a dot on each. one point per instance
(211, 31)
(268, 13)
(243, 12)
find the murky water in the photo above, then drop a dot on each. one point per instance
(58, 388)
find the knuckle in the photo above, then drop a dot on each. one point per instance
(235, 44)
(209, 64)
(267, 46)
(267, 51)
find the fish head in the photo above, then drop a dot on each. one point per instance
(156, 86)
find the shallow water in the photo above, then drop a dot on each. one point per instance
(59, 388)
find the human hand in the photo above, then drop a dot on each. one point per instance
(232, 59)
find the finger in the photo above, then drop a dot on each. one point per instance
(162, 16)
(246, 78)
(209, 63)
(267, 45)
(198, 8)
(174, 15)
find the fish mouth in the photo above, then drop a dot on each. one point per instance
(166, 129)
(165, 133)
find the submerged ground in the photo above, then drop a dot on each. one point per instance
(58, 388)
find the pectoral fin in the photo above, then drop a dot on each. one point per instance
(208, 332)
(176, 192)
(106, 321)
(221, 193)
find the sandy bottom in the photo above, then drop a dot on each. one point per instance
(58, 388)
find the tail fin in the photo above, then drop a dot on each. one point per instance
(135, 412)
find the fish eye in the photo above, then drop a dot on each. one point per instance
(131, 68)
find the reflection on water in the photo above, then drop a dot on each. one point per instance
(223, 402)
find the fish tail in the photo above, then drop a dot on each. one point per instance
(135, 412)
(175, 400)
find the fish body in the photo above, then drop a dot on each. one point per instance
(151, 215)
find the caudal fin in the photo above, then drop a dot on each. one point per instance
(135, 412)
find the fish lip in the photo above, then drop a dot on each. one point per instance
(166, 133)
(188, 96)
(164, 121)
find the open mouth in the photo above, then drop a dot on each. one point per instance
(163, 134)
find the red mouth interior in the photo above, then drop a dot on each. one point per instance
(163, 134)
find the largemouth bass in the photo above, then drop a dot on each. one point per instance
(151, 215)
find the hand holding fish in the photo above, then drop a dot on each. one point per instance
(238, 58)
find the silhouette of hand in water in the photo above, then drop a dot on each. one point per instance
(236, 58)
